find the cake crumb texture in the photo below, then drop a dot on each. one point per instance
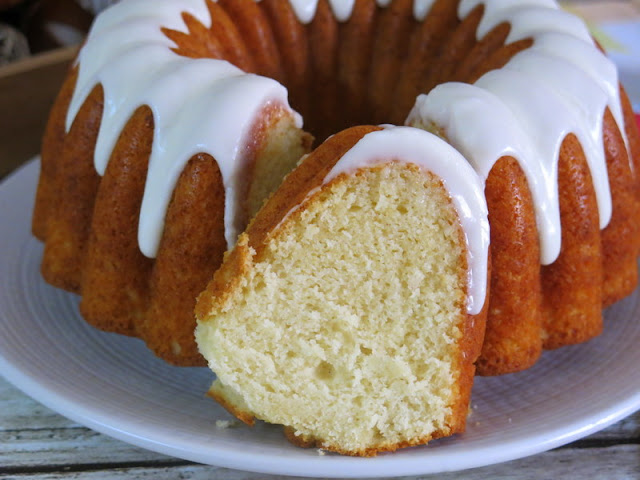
(347, 326)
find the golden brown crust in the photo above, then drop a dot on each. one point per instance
(257, 33)
(255, 50)
(572, 285)
(340, 74)
(354, 54)
(305, 441)
(293, 46)
(633, 139)
(228, 282)
(482, 50)
(240, 414)
(76, 183)
(394, 25)
(473, 334)
(199, 42)
(128, 276)
(472, 328)
(323, 56)
(427, 39)
(460, 41)
(115, 289)
(619, 238)
(298, 183)
(52, 148)
(498, 58)
(234, 47)
(190, 251)
(512, 339)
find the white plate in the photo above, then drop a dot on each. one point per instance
(115, 386)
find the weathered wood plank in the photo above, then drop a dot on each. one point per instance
(18, 411)
(38, 444)
(35, 436)
(42, 448)
(612, 463)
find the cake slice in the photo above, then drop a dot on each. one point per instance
(352, 309)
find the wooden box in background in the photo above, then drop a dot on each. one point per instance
(27, 91)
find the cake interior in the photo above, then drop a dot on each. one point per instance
(281, 145)
(376, 366)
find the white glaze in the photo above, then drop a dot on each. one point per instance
(201, 105)
(526, 17)
(127, 54)
(453, 106)
(342, 9)
(305, 10)
(421, 8)
(561, 85)
(555, 32)
(412, 145)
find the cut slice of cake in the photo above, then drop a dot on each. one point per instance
(351, 311)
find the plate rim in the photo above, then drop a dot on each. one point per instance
(322, 466)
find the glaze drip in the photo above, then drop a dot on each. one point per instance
(430, 153)
(562, 84)
(199, 105)
(305, 10)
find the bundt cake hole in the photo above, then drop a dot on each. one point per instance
(375, 80)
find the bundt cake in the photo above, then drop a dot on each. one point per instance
(351, 309)
(188, 95)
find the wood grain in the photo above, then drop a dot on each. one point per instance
(27, 91)
(38, 444)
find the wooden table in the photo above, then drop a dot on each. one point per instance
(38, 444)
